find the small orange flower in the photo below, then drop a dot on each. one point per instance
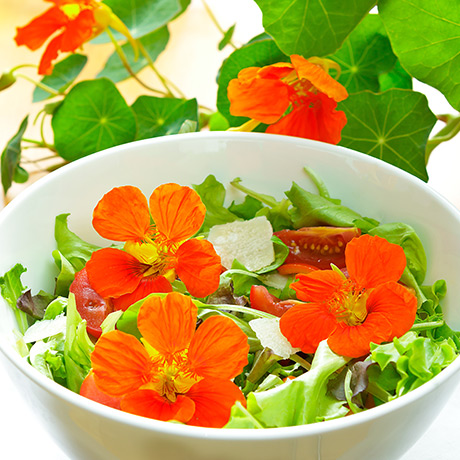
(369, 306)
(71, 23)
(178, 373)
(154, 252)
(296, 99)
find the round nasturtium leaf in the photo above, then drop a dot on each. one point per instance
(393, 126)
(364, 56)
(312, 27)
(93, 117)
(425, 35)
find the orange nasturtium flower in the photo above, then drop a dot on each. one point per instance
(71, 23)
(176, 373)
(296, 99)
(369, 306)
(154, 252)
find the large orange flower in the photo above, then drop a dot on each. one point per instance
(369, 306)
(178, 373)
(71, 23)
(154, 252)
(296, 99)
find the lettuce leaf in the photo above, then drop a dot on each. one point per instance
(414, 358)
(297, 402)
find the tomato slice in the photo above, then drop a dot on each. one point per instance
(262, 300)
(293, 269)
(92, 307)
(318, 246)
(90, 390)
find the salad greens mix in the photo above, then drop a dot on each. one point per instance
(264, 313)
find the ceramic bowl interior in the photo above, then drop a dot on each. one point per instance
(266, 163)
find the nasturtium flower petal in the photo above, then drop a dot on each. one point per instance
(317, 286)
(168, 324)
(113, 272)
(354, 341)
(264, 100)
(122, 215)
(219, 349)
(78, 31)
(306, 325)
(319, 78)
(120, 363)
(36, 32)
(177, 211)
(372, 261)
(148, 403)
(396, 303)
(213, 400)
(51, 52)
(314, 118)
(199, 267)
(148, 285)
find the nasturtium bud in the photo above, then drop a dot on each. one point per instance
(7, 79)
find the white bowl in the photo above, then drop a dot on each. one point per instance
(267, 163)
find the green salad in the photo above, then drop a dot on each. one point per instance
(259, 314)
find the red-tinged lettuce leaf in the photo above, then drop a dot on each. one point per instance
(257, 53)
(425, 36)
(93, 116)
(393, 126)
(364, 56)
(11, 157)
(143, 16)
(64, 74)
(311, 27)
(34, 305)
(160, 116)
(153, 43)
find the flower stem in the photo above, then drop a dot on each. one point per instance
(39, 84)
(299, 360)
(22, 66)
(449, 131)
(216, 23)
(378, 392)
(127, 65)
(165, 82)
(246, 127)
(263, 363)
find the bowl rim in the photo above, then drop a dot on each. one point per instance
(234, 434)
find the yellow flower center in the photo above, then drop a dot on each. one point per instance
(349, 305)
(171, 376)
(71, 10)
(156, 261)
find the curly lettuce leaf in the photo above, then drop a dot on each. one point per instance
(413, 358)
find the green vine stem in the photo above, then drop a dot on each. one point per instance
(447, 133)
(166, 82)
(127, 66)
(39, 84)
(216, 23)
